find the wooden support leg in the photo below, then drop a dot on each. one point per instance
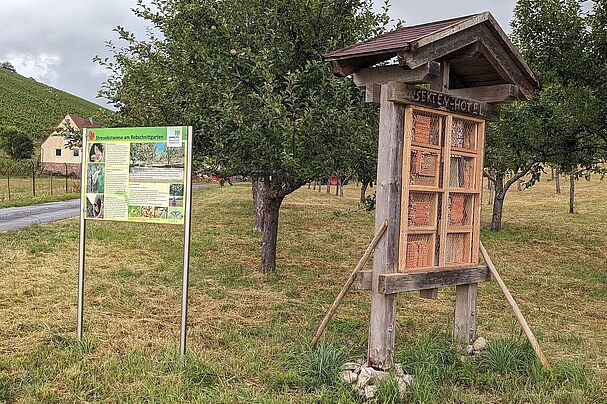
(385, 257)
(464, 321)
(429, 293)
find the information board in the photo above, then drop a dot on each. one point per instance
(136, 174)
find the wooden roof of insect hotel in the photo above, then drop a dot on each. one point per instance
(483, 62)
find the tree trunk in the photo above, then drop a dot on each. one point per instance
(552, 173)
(258, 188)
(337, 187)
(491, 187)
(329, 186)
(363, 192)
(571, 193)
(557, 181)
(519, 186)
(498, 204)
(270, 233)
(341, 188)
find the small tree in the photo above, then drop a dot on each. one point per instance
(15, 143)
(513, 146)
(8, 66)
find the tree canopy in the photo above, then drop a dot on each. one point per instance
(249, 76)
(563, 124)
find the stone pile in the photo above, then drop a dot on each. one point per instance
(364, 378)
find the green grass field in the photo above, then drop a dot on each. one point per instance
(47, 190)
(248, 333)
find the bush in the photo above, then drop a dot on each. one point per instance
(15, 143)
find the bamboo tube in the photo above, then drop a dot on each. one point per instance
(361, 263)
(515, 308)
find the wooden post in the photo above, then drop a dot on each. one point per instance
(464, 321)
(385, 259)
(33, 178)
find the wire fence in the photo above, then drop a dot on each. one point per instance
(26, 180)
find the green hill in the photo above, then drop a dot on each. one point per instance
(37, 108)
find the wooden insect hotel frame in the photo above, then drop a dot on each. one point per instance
(430, 159)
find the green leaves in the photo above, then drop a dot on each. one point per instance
(249, 76)
(15, 143)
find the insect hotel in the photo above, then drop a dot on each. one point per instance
(436, 85)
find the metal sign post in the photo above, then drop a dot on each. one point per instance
(153, 189)
(82, 238)
(186, 248)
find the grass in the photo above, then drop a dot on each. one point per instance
(248, 333)
(21, 190)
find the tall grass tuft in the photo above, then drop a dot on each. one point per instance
(5, 393)
(387, 391)
(433, 360)
(508, 356)
(319, 366)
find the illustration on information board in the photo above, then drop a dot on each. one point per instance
(136, 174)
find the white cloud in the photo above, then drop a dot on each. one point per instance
(42, 67)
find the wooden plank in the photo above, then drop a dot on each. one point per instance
(450, 31)
(361, 263)
(503, 63)
(405, 176)
(500, 94)
(364, 280)
(515, 308)
(408, 94)
(476, 215)
(385, 74)
(385, 259)
(412, 281)
(496, 28)
(440, 84)
(373, 93)
(444, 223)
(424, 51)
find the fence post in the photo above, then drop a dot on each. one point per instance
(51, 183)
(8, 182)
(33, 179)
(65, 177)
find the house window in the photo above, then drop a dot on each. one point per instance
(76, 153)
(58, 152)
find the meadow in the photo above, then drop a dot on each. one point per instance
(48, 189)
(249, 333)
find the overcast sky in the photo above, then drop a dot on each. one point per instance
(55, 41)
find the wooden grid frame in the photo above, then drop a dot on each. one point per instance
(440, 230)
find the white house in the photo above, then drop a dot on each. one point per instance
(55, 156)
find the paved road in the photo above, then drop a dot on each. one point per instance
(16, 218)
(19, 217)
